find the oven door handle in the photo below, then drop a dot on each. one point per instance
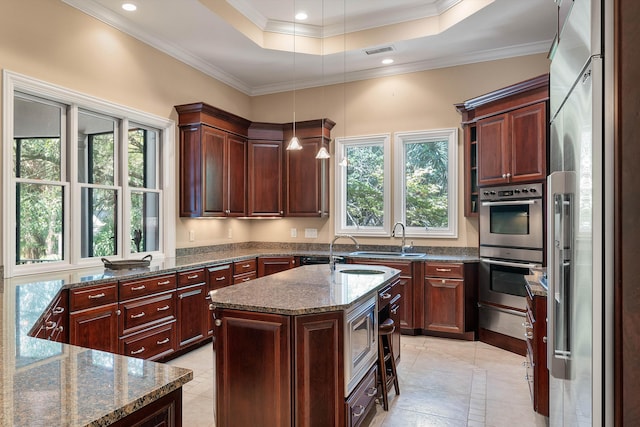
(502, 309)
(509, 264)
(511, 202)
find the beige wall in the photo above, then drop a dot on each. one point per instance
(51, 41)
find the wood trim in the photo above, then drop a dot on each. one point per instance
(503, 341)
(538, 82)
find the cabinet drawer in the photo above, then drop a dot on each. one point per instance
(241, 278)
(387, 294)
(93, 296)
(246, 266)
(444, 270)
(150, 344)
(361, 399)
(139, 288)
(141, 313)
(191, 277)
(219, 276)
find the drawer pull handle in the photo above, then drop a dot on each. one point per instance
(246, 266)
(50, 325)
(385, 295)
(529, 335)
(220, 279)
(358, 414)
(137, 316)
(246, 279)
(193, 276)
(443, 270)
(58, 310)
(372, 392)
(165, 282)
(96, 296)
(395, 310)
(60, 328)
(138, 351)
(526, 324)
(165, 308)
(139, 288)
(164, 341)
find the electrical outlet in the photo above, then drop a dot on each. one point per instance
(192, 235)
(294, 232)
(311, 233)
(230, 233)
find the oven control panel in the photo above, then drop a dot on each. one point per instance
(512, 192)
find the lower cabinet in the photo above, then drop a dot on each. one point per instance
(165, 412)
(217, 276)
(274, 264)
(192, 314)
(93, 317)
(297, 377)
(243, 271)
(450, 296)
(537, 374)
(151, 344)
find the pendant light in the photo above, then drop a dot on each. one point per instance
(294, 144)
(323, 153)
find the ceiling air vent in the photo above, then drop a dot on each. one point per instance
(377, 50)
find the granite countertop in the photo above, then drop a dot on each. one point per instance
(305, 290)
(61, 384)
(534, 285)
(52, 384)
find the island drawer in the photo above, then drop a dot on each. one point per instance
(151, 344)
(241, 278)
(387, 294)
(139, 288)
(444, 270)
(219, 276)
(141, 313)
(191, 277)
(361, 400)
(243, 267)
(93, 296)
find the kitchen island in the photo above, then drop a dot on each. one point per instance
(298, 348)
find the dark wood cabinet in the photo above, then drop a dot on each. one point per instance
(163, 412)
(450, 298)
(253, 390)
(93, 317)
(505, 137)
(410, 275)
(273, 264)
(192, 307)
(389, 307)
(245, 270)
(217, 276)
(95, 328)
(213, 162)
(512, 146)
(264, 174)
(53, 324)
(319, 370)
(306, 179)
(537, 374)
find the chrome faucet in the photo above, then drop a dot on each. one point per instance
(332, 262)
(404, 246)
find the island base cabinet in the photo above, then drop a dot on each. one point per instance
(275, 370)
(165, 412)
(253, 381)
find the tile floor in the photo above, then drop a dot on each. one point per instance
(442, 383)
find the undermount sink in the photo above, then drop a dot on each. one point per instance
(362, 271)
(383, 254)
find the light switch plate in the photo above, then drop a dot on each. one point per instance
(294, 232)
(311, 233)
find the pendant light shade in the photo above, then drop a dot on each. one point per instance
(323, 153)
(294, 144)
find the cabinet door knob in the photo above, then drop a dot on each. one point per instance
(218, 322)
(508, 175)
(504, 175)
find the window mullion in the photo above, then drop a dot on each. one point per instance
(69, 158)
(124, 192)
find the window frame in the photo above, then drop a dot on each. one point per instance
(341, 180)
(400, 141)
(14, 82)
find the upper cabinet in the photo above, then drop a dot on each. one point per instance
(230, 166)
(306, 185)
(506, 136)
(213, 162)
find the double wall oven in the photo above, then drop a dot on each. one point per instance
(511, 243)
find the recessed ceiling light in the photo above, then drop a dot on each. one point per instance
(387, 61)
(301, 16)
(129, 7)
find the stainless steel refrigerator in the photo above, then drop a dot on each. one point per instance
(576, 250)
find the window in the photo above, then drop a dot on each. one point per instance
(426, 182)
(87, 179)
(363, 185)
